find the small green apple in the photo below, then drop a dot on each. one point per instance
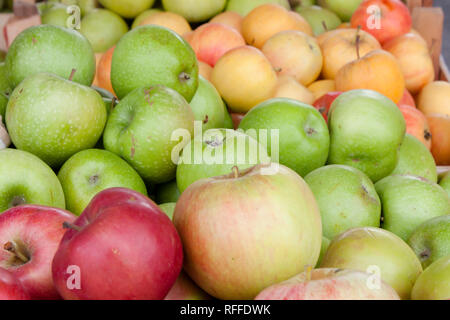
(54, 118)
(347, 199)
(320, 19)
(303, 134)
(195, 10)
(150, 55)
(55, 15)
(445, 182)
(141, 130)
(26, 179)
(52, 49)
(167, 192)
(366, 130)
(243, 7)
(168, 208)
(144, 15)
(415, 159)
(127, 8)
(103, 29)
(434, 282)
(227, 121)
(431, 240)
(5, 90)
(343, 8)
(90, 171)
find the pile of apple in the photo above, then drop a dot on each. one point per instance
(292, 153)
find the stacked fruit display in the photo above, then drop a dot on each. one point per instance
(292, 152)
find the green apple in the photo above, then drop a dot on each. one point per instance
(408, 201)
(347, 199)
(343, 8)
(144, 15)
(216, 153)
(415, 159)
(303, 134)
(167, 192)
(87, 5)
(208, 105)
(434, 282)
(445, 182)
(323, 250)
(54, 118)
(127, 8)
(195, 10)
(5, 90)
(103, 29)
(26, 179)
(150, 55)
(320, 19)
(243, 7)
(52, 49)
(366, 130)
(303, 3)
(227, 121)
(168, 208)
(377, 251)
(91, 171)
(55, 15)
(143, 127)
(431, 240)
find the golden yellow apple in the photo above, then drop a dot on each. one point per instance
(435, 98)
(320, 88)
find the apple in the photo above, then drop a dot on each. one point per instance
(103, 29)
(440, 131)
(407, 99)
(377, 251)
(434, 98)
(170, 20)
(415, 159)
(127, 8)
(394, 19)
(417, 124)
(168, 208)
(55, 15)
(140, 60)
(30, 236)
(5, 89)
(242, 205)
(434, 282)
(289, 87)
(323, 250)
(167, 192)
(431, 240)
(408, 201)
(343, 8)
(328, 284)
(366, 130)
(142, 16)
(123, 247)
(205, 70)
(216, 153)
(445, 182)
(90, 171)
(321, 87)
(103, 74)
(229, 121)
(5, 140)
(323, 104)
(243, 7)
(320, 19)
(229, 18)
(11, 288)
(303, 134)
(361, 207)
(26, 179)
(53, 49)
(185, 289)
(42, 120)
(195, 10)
(87, 5)
(141, 130)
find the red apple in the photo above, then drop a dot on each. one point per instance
(323, 104)
(29, 236)
(392, 20)
(417, 124)
(185, 289)
(330, 284)
(10, 287)
(121, 247)
(407, 99)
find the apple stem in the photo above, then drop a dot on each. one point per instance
(236, 172)
(308, 271)
(72, 74)
(12, 247)
(324, 25)
(68, 225)
(358, 40)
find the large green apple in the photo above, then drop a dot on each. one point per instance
(167, 192)
(127, 8)
(343, 8)
(415, 159)
(26, 179)
(55, 15)
(52, 49)
(445, 182)
(195, 10)
(434, 282)
(150, 55)
(347, 199)
(144, 15)
(90, 171)
(216, 153)
(103, 29)
(5, 90)
(377, 251)
(143, 128)
(243, 7)
(408, 201)
(320, 19)
(303, 134)
(431, 240)
(366, 130)
(54, 118)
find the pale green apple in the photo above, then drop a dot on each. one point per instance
(415, 159)
(320, 19)
(366, 130)
(434, 282)
(303, 133)
(168, 209)
(143, 128)
(343, 8)
(54, 118)
(52, 49)
(127, 8)
(376, 251)
(91, 171)
(167, 192)
(26, 179)
(144, 15)
(323, 250)
(195, 10)
(55, 15)
(445, 182)
(431, 240)
(408, 201)
(150, 55)
(347, 199)
(87, 5)
(5, 90)
(243, 7)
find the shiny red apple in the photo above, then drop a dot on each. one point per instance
(323, 104)
(10, 287)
